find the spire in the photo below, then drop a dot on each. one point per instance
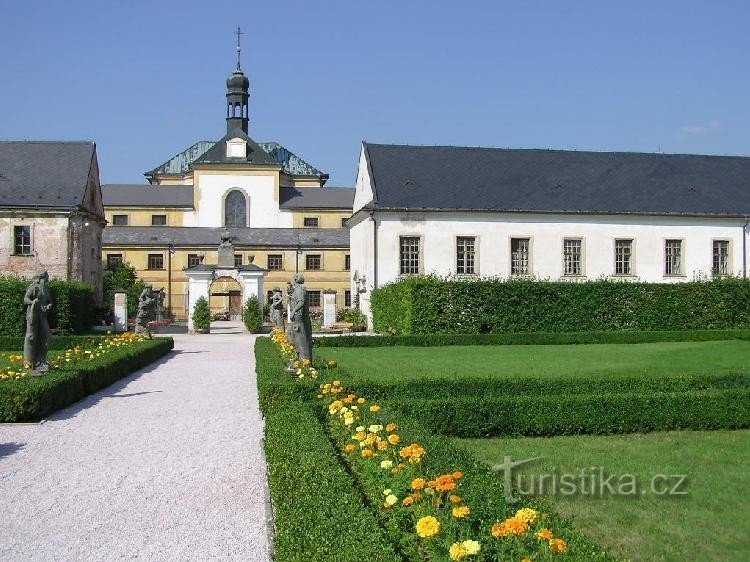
(237, 94)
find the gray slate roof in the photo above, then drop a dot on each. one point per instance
(217, 154)
(317, 198)
(44, 174)
(140, 195)
(493, 179)
(205, 236)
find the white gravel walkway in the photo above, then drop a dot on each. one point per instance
(166, 464)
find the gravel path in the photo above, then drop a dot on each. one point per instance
(166, 464)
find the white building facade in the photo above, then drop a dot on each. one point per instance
(405, 222)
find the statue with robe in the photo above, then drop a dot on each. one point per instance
(38, 335)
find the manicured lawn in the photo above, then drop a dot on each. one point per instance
(607, 360)
(711, 522)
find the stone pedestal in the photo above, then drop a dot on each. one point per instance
(329, 308)
(121, 312)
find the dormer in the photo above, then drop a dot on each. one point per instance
(237, 148)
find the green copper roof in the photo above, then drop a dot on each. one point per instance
(182, 162)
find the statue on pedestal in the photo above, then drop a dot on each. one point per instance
(38, 335)
(146, 310)
(277, 308)
(300, 326)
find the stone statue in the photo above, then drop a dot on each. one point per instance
(277, 308)
(300, 326)
(226, 250)
(38, 335)
(146, 310)
(160, 305)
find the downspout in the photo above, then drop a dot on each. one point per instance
(69, 242)
(374, 250)
(744, 248)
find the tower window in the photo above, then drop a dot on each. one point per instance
(235, 209)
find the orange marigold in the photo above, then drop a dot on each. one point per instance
(454, 498)
(544, 534)
(417, 484)
(393, 439)
(350, 448)
(391, 427)
(445, 483)
(367, 453)
(509, 527)
(408, 500)
(458, 475)
(558, 545)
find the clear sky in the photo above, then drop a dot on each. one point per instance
(145, 79)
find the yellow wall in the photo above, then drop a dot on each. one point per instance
(138, 216)
(326, 219)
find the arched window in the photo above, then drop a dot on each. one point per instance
(235, 209)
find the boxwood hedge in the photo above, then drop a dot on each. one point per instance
(34, 398)
(433, 305)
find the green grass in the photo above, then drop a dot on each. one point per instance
(385, 364)
(711, 522)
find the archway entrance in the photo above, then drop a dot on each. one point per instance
(225, 298)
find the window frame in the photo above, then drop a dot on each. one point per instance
(474, 257)
(529, 258)
(420, 254)
(320, 262)
(681, 247)
(631, 262)
(581, 257)
(112, 259)
(153, 217)
(347, 262)
(224, 198)
(305, 218)
(319, 295)
(729, 266)
(30, 244)
(347, 298)
(148, 262)
(197, 257)
(281, 262)
(118, 215)
(241, 257)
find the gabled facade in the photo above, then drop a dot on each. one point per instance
(558, 215)
(51, 213)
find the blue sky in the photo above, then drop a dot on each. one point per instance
(146, 79)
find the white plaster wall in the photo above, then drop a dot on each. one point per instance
(363, 193)
(264, 208)
(494, 231)
(361, 251)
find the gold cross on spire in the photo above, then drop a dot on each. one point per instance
(239, 49)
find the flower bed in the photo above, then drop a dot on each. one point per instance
(434, 501)
(92, 364)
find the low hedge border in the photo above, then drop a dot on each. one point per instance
(319, 514)
(32, 399)
(564, 414)
(15, 343)
(539, 338)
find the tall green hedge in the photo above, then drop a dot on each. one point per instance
(72, 306)
(430, 305)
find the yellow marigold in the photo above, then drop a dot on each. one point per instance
(382, 445)
(461, 511)
(393, 439)
(332, 363)
(544, 534)
(391, 500)
(367, 453)
(428, 527)
(350, 448)
(336, 383)
(391, 427)
(472, 547)
(527, 514)
(417, 484)
(457, 551)
(454, 498)
(361, 400)
(558, 545)
(360, 436)
(374, 408)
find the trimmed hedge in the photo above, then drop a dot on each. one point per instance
(549, 338)
(15, 343)
(72, 306)
(567, 414)
(429, 305)
(319, 513)
(34, 398)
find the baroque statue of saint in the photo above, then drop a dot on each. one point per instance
(38, 335)
(277, 308)
(300, 326)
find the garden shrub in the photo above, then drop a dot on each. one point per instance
(549, 338)
(433, 305)
(201, 315)
(251, 315)
(122, 277)
(354, 317)
(72, 306)
(34, 398)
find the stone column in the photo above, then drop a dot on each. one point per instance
(198, 285)
(329, 308)
(252, 284)
(121, 311)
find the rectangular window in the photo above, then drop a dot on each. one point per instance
(720, 258)
(343, 222)
(673, 257)
(120, 220)
(519, 256)
(312, 261)
(269, 296)
(155, 261)
(275, 262)
(158, 220)
(310, 221)
(347, 262)
(22, 240)
(465, 255)
(113, 260)
(237, 260)
(572, 258)
(193, 260)
(623, 257)
(348, 298)
(313, 299)
(409, 255)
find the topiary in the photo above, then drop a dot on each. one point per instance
(251, 315)
(201, 316)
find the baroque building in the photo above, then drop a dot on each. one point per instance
(51, 214)
(280, 214)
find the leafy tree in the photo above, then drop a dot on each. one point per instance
(251, 316)
(122, 277)
(201, 315)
